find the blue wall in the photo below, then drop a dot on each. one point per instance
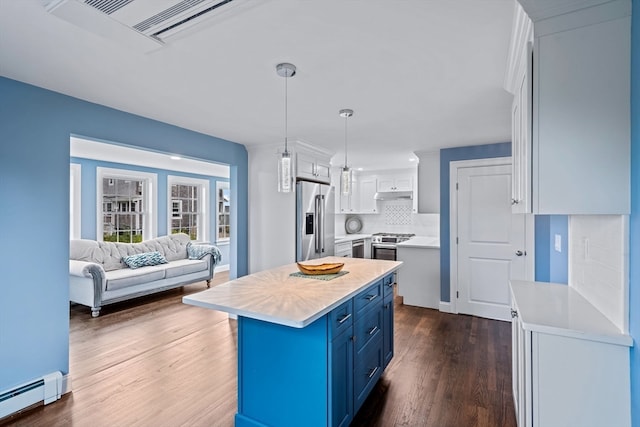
(634, 237)
(89, 198)
(446, 156)
(551, 266)
(35, 126)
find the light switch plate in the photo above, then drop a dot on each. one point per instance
(558, 243)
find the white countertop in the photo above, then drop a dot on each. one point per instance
(428, 242)
(275, 296)
(351, 237)
(560, 310)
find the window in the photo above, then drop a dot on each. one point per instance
(223, 215)
(126, 211)
(188, 207)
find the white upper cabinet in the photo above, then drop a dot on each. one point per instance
(367, 190)
(313, 168)
(396, 182)
(571, 117)
(361, 199)
(521, 137)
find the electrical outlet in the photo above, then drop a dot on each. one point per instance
(558, 243)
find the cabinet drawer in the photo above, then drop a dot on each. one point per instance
(366, 372)
(367, 328)
(341, 318)
(387, 284)
(372, 296)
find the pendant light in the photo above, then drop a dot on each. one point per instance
(285, 175)
(345, 175)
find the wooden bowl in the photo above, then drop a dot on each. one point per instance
(327, 268)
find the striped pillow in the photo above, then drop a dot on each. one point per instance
(144, 259)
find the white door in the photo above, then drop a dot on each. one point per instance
(490, 239)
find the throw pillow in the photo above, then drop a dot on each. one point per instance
(144, 259)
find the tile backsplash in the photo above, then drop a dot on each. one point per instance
(397, 212)
(396, 217)
(598, 267)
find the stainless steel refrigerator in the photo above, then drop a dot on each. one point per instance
(315, 220)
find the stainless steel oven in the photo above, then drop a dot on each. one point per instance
(383, 251)
(357, 248)
(383, 245)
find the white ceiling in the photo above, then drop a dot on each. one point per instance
(419, 74)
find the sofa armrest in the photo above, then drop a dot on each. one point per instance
(97, 275)
(200, 250)
(85, 269)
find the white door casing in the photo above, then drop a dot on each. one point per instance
(485, 238)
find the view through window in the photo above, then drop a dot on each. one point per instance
(185, 209)
(224, 211)
(123, 210)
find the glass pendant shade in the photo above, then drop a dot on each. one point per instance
(284, 173)
(345, 174)
(345, 181)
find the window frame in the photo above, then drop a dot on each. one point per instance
(222, 185)
(149, 192)
(203, 217)
(75, 201)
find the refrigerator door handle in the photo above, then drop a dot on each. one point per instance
(321, 223)
(316, 231)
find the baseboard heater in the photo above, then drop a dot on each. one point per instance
(46, 389)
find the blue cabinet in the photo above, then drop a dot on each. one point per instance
(318, 375)
(368, 353)
(387, 318)
(341, 373)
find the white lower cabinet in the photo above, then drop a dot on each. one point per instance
(570, 364)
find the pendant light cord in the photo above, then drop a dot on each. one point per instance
(346, 117)
(286, 113)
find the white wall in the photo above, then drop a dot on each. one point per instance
(598, 269)
(272, 218)
(428, 181)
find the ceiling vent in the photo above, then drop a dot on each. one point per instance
(156, 20)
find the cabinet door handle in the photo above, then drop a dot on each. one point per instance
(344, 318)
(373, 372)
(371, 297)
(514, 201)
(514, 314)
(373, 330)
(519, 253)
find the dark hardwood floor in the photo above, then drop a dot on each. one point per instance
(157, 362)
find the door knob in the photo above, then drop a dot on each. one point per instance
(519, 253)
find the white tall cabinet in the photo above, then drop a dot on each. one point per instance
(570, 363)
(569, 71)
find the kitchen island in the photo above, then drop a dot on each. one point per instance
(309, 350)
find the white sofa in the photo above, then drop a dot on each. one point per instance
(98, 275)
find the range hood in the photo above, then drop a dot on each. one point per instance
(393, 195)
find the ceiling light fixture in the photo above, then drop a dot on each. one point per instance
(285, 176)
(345, 175)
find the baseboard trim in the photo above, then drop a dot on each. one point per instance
(221, 268)
(445, 307)
(66, 384)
